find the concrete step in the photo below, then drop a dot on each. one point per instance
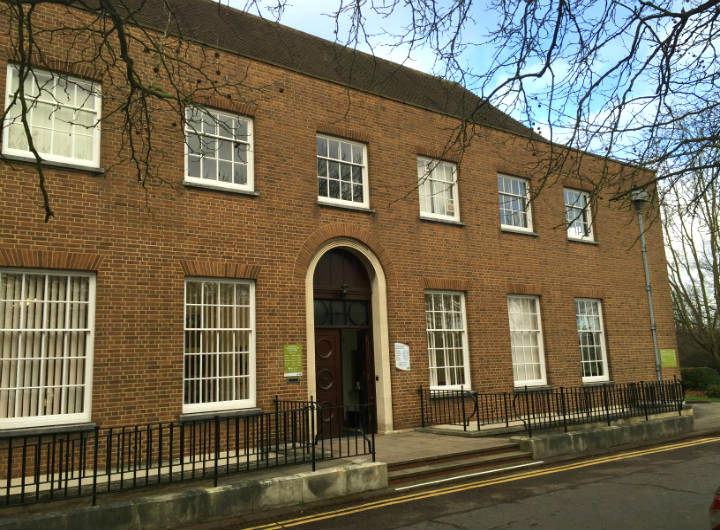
(457, 466)
(451, 457)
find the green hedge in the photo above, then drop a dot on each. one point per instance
(713, 391)
(700, 378)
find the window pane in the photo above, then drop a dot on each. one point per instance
(45, 344)
(446, 338)
(436, 183)
(340, 160)
(58, 129)
(224, 143)
(525, 339)
(218, 353)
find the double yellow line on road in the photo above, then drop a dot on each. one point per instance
(474, 485)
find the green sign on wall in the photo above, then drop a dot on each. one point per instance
(293, 360)
(668, 359)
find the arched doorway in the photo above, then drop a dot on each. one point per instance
(344, 354)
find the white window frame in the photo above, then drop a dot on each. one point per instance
(526, 198)
(585, 213)
(428, 176)
(249, 185)
(603, 349)
(541, 347)
(13, 71)
(466, 353)
(215, 406)
(365, 185)
(62, 418)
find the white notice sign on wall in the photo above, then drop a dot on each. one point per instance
(402, 356)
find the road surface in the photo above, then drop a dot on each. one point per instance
(666, 487)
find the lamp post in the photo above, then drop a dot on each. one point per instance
(639, 198)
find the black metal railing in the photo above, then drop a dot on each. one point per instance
(103, 460)
(563, 407)
(464, 408)
(550, 408)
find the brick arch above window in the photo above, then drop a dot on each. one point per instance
(219, 269)
(337, 230)
(48, 259)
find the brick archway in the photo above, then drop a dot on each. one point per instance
(334, 231)
(361, 243)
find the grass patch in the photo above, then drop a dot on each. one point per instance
(701, 399)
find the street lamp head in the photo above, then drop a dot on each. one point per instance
(639, 198)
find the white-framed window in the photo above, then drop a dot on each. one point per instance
(514, 194)
(526, 340)
(578, 217)
(219, 349)
(447, 340)
(591, 337)
(63, 113)
(342, 176)
(218, 149)
(47, 322)
(437, 184)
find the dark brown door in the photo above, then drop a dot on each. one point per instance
(328, 375)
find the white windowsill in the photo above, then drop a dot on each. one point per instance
(445, 220)
(342, 206)
(214, 187)
(582, 240)
(47, 429)
(51, 163)
(187, 417)
(516, 230)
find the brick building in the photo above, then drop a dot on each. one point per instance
(327, 208)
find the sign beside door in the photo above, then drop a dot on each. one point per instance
(402, 356)
(293, 360)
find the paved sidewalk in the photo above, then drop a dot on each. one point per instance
(707, 416)
(412, 445)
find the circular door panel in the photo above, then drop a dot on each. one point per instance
(324, 348)
(325, 379)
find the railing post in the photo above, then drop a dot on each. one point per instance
(644, 399)
(680, 396)
(217, 448)
(563, 409)
(462, 403)
(527, 412)
(372, 425)
(607, 405)
(95, 465)
(422, 406)
(277, 430)
(505, 406)
(312, 432)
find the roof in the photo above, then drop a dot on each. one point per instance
(214, 24)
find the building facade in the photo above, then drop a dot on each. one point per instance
(321, 214)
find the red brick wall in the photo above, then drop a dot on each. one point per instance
(143, 241)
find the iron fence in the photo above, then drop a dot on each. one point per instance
(550, 408)
(464, 408)
(45, 467)
(546, 409)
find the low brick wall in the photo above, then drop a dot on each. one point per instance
(597, 437)
(167, 510)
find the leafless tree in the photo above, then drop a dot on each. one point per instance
(147, 69)
(620, 80)
(692, 226)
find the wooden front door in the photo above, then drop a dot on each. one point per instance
(328, 376)
(344, 362)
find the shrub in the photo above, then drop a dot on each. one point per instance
(700, 378)
(713, 391)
